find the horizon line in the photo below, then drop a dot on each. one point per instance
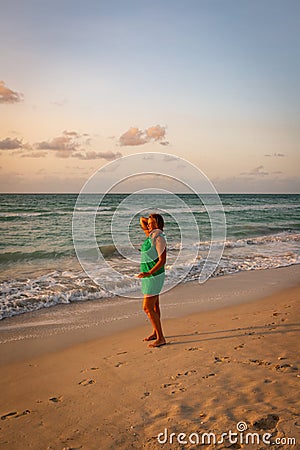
(157, 193)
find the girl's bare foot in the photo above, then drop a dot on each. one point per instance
(152, 337)
(157, 343)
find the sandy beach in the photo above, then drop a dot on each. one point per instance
(149, 148)
(231, 369)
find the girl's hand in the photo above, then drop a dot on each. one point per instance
(144, 223)
(144, 275)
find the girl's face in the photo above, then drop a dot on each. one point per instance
(151, 224)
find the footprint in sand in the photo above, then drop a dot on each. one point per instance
(91, 368)
(146, 394)
(87, 382)
(55, 399)
(193, 349)
(209, 375)
(260, 362)
(285, 368)
(180, 389)
(177, 387)
(188, 372)
(9, 415)
(239, 346)
(266, 423)
(119, 364)
(14, 414)
(219, 359)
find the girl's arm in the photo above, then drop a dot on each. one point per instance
(161, 248)
(144, 225)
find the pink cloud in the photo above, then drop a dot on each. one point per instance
(135, 136)
(109, 156)
(10, 144)
(156, 133)
(9, 96)
(60, 143)
(69, 144)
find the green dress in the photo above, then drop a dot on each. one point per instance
(151, 285)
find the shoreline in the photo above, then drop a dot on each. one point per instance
(63, 326)
(220, 367)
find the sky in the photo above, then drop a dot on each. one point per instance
(216, 82)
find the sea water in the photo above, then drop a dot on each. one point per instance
(39, 266)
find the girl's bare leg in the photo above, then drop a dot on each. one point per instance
(153, 336)
(151, 308)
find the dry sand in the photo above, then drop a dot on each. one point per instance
(220, 367)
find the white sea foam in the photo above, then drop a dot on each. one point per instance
(66, 286)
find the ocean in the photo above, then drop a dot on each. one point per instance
(40, 269)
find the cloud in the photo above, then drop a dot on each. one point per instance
(257, 172)
(156, 133)
(9, 96)
(64, 143)
(10, 144)
(109, 156)
(68, 144)
(274, 155)
(135, 136)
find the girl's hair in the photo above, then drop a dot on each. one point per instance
(159, 220)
